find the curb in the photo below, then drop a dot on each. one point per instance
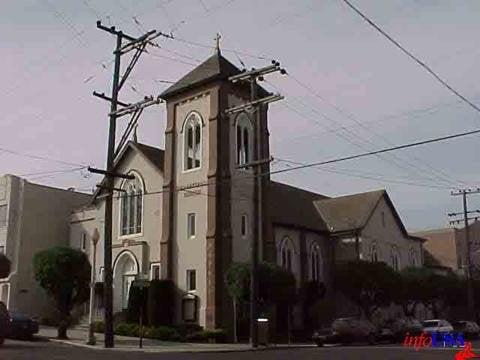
(166, 350)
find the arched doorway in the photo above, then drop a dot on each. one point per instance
(125, 272)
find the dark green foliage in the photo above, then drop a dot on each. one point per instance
(137, 301)
(215, 335)
(370, 285)
(275, 283)
(160, 303)
(65, 275)
(127, 329)
(4, 266)
(99, 326)
(186, 329)
(162, 333)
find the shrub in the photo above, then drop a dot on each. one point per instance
(187, 329)
(99, 326)
(136, 302)
(215, 335)
(162, 333)
(127, 329)
(160, 303)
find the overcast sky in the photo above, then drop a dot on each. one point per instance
(367, 94)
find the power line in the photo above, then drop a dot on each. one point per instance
(435, 172)
(413, 57)
(44, 158)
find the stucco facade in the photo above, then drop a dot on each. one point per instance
(36, 219)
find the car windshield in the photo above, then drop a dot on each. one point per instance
(430, 323)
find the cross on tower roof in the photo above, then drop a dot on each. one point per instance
(217, 43)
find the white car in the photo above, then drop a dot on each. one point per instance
(437, 325)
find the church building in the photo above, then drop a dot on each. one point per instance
(190, 210)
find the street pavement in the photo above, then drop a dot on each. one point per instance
(44, 350)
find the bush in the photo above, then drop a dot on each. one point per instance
(136, 302)
(99, 326)
(126, 329)
(160, 303)
(162, 333)
(187, 329)
(215, 335)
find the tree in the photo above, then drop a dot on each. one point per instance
(369, 285)
(275, 285)
(4, 266)
(64, 273)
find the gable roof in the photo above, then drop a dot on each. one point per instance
(291, 206)
(350, 212)
(154, 155)
(215, 67)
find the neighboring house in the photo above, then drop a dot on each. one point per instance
(190, 212)
(447, 248)
(32, 218)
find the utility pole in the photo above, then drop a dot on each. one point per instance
(138, 44)
(470, 294)
(255, 105)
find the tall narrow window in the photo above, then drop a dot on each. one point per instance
(191, 280)
(192, 142)
(374, 254)
(131, 207)
(2, 249)
(286, 254)
(154, 271)
(244, 139)
(3, 215)
(191, 225)
(83, 242)
(244, 225)
(315, 263)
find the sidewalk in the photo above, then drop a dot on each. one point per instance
(77, 337)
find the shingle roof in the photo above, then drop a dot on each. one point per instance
(292, 206)
(215, 67)
(346, 213)
(154, 155)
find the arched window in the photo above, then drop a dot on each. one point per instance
(412, 257)
(374, 253)
(192, 142)
(286, 254)
(315, 260)
(131, 204)
(244, 132)
(395, 258)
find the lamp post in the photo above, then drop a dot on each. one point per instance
(91, 331)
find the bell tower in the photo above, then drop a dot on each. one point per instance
(207, 215)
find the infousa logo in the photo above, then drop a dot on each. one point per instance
(445, 340)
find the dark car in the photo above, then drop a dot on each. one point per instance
(347, 331)
(22, 326)
(4, 322)
(469, 329)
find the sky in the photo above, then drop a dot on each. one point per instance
(348, 90)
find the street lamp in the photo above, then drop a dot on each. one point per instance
(91, 331)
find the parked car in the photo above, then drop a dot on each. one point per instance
(4, 322)
(403, 326)
(437, 325)
(22, 326)
(347, 331)
(469, 329)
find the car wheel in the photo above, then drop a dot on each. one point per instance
(319, 343)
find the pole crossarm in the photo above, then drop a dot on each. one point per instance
(110, 173)
(254, 73)
(112, 30)
(100, 186)
(465, 191)
(468, 212)
(146, 102)
(250, 105)
(458, 221)
(109, 99)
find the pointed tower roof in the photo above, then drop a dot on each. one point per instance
(215, 67)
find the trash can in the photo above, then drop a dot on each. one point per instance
(262, 325)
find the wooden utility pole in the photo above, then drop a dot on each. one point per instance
(137, 44)
(255, 105)
(470, 294)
